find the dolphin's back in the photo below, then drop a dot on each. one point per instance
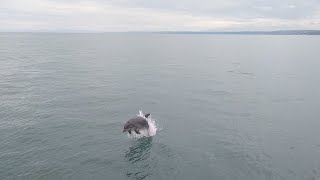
(137, 122)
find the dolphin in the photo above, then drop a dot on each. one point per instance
(136, 124)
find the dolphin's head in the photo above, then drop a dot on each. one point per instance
(126, 127)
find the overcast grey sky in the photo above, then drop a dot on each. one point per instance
(158, 15)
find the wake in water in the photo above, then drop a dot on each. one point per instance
(151, 131)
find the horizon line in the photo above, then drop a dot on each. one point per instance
(284, 31)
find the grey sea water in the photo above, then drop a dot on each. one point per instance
(228, 107)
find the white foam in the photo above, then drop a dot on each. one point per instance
(145, 132)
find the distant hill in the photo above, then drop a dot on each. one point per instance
(281, 32)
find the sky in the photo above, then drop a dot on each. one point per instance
(158, 15)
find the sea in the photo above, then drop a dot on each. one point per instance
(224, 107)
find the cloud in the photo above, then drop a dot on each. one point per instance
(164, 15)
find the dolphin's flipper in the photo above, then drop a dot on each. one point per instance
(147, 115)
(137, 131)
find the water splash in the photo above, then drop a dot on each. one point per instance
(145, 132)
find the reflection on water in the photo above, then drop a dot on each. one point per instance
(138, 158)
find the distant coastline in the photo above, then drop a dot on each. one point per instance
(280, 32)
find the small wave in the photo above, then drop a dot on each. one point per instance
(145, 132)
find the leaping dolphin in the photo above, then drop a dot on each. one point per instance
(136, 124)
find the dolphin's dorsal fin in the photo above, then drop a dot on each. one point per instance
(147, 115)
